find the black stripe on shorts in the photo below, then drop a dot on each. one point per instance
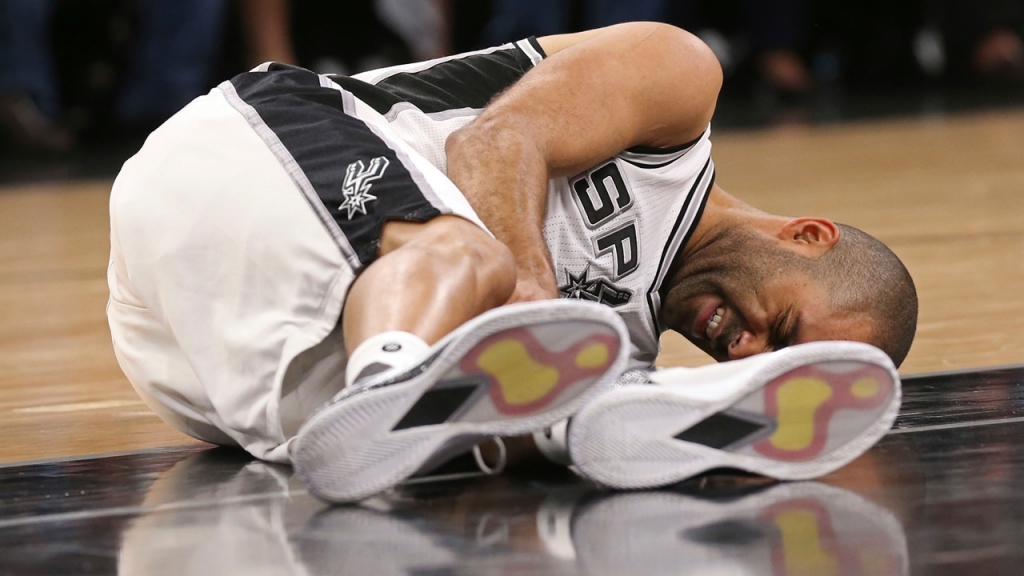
(469, 81)
(357, 176)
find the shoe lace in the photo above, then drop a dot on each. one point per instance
(485, 468)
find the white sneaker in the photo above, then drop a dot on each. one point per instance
(510, 371)
(798, 413)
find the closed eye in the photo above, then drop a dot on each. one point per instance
(784, 330)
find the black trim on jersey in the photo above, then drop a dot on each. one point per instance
(471, 82)
(665, 256)
(536, 46)
(651, 150)
(642, 165)
(358, 178)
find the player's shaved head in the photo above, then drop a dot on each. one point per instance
(861, 273)
(765, 294)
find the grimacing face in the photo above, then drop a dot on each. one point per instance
(743, 296)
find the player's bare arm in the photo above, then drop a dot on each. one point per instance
(598, 93)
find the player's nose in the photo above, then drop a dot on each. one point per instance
(744, 345)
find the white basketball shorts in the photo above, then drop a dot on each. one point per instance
(236, 232)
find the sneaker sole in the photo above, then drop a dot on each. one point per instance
(511, 371)
(809, 413)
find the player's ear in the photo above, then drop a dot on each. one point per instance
(810, 236)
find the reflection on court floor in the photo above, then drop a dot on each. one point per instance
(938, 495)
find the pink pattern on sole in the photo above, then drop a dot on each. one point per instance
(564, 362)
(842, 397)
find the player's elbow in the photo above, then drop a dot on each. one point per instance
(691, 69)
(685, 44)
(698, 57)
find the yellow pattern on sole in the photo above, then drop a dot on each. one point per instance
(798, 400)
(864, 388)
(520, 379)
(802, 546)
(593, 356)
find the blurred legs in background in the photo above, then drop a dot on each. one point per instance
(768, 33)
(424, 25)
(516, 19)
(29, 97)
(171, 63)
(268, 31)
(179, 43)
(983, 36)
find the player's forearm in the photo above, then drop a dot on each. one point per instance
(601, 93)
(505, 178)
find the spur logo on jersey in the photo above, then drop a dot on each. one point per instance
(359, 179)
(582, 287)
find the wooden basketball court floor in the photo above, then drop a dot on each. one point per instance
(91, 482)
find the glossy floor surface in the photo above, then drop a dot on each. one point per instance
(941, 494)
(92, 482)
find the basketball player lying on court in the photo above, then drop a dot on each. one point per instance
(361, 276)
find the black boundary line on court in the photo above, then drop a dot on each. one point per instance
(191, 449)
(961, 371)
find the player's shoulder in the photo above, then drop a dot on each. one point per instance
(503, 59)
(658, 33)
(464, 81)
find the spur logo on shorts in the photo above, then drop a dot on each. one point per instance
(359, 179)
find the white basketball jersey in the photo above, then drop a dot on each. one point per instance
(613, 230)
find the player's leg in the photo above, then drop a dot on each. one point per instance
(227, 286)
(492, 372)
(507, 372)
(430, 278)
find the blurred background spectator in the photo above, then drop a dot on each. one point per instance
(268, 30)
(516, 19)
(29, 99)
(766, 34)
(982, 37)
(167, 64)
(345, 37)
(103, 71)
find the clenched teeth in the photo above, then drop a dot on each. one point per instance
(715, 320)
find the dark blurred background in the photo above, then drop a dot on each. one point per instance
(83, 81)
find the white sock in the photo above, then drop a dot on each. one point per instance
(382, 352)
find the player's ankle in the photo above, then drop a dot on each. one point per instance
(382, 352)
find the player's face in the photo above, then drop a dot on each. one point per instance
(742, 299)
